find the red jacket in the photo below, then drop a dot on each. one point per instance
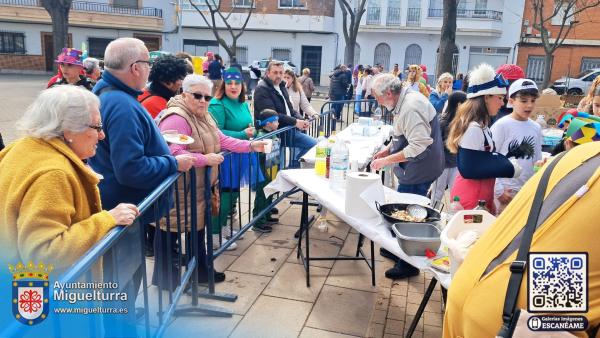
(154, 104)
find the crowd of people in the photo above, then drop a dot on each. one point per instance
(96, 150)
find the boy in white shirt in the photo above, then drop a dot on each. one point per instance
(516, 135)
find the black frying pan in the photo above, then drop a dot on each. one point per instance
(386, 210)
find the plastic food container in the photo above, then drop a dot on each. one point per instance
(478, 220)
(415, 238)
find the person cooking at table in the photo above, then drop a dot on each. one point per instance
(416, 152)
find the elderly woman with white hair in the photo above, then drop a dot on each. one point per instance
(92, 69)
(50, 202)
(439, 96)
(187, 114)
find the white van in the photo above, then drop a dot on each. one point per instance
(576, 85)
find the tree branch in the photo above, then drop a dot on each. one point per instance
(243, 28)
(344, 6)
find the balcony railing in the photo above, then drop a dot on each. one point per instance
(393, 16)
(85, 6)
(463, 13)
(413, 17)
(373, 15)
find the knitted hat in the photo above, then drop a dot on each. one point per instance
(232, 73)
(70, 56)
(511, 72)
(484, 81)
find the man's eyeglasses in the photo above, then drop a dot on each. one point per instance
(199, 97)
(142, 61)
(97, 127)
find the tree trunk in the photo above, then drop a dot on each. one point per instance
(59, 14)
(448, 38)
(349, 51)
(547, 70)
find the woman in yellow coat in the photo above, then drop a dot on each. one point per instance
(50, 204)
(569, 223)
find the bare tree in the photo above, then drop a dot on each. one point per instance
(214, 9)
(59, 14)
(351, 22)
(448, 38)
(566, 11)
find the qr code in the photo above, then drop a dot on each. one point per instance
(557, 282)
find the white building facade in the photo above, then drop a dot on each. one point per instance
(408, 32)
(308, 33)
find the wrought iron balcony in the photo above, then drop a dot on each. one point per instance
(393, 16)
(373, 15)
(463, 13)
(413, 17)
(84, 6)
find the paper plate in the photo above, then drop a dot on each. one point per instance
(178, 139)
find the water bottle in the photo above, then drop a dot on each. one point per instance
(339, 165)
(541, 120)
(455, 207)
(330, 143)
(321, 155)
(323, 226)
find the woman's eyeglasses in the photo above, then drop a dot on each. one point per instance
(199, 97)
(233, 82)
(97, 127)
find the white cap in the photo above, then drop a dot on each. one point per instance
(518, 85)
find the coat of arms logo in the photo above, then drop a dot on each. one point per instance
(30, 295)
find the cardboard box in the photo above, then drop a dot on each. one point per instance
(550, 106)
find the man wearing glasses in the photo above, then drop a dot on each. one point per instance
(133, 158)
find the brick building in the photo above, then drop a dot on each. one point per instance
(580, 50)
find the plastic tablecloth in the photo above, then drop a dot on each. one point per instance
(375, 229)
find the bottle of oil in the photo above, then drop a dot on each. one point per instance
(321, 155)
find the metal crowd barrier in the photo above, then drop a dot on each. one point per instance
(350, 111)
(244, 215)
(173, 205)
(122, 257)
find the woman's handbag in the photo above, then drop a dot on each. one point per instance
(515, 320)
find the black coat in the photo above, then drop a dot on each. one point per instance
(338, 85)
(266, 97)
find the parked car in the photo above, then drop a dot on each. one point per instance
(262, 65)
(576, 85)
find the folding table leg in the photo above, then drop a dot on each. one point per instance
(361, 239)
(306, 229)
(372, 263)
(421, 308)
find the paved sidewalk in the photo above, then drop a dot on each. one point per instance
(17, 92)
(275, 302)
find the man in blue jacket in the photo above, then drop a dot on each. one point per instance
(133, 158)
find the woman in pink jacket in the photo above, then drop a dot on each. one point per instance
(187, 114)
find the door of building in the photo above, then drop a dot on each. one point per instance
(48, 48)
(311, 59)
(152, 42)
